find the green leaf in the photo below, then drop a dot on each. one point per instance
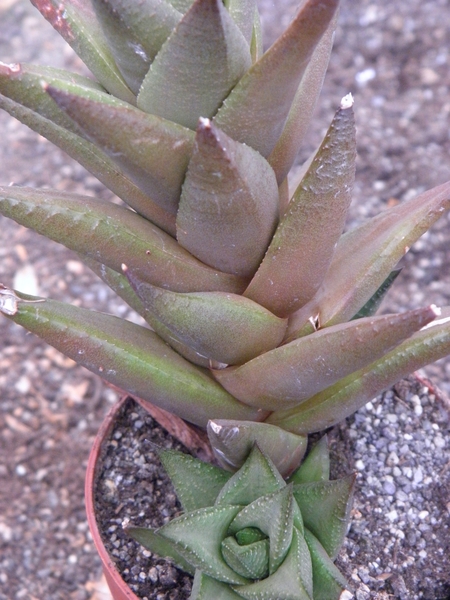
(328, 581)
(129, 356)
(229, 203)
(153, 152)
(243, 14)
(301, 113)
(316, 466)
(159, 545)
(250, 561)
(197, 484)
(75, 21)
(135, 32)
(249, 535)
(255, 111)
(371, 307)
(292, 580)
(325, 507)
(290, 374)
(23, 83)
(256, 45)
(119, 283)
(198, 536)
(94, 160)
(364, 258)
(206, 46)
(337, 402)
(257, 477)
(206, 588)
(111, 234)
(223, 327)
(232, 442)
(304, 243)
(273, 514)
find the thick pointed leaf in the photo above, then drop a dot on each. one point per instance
(112, 235)
(159, 545)
(197, 484)
(206, 46)
(23, 83)
(292, 581)
(256, 45)
(328, 581)
(119, 283)
(223, 327)
(364, 258)
(243, 14)
(273, 514)
(251, 560)
(75, 21)
(232, 442)
(256, 109)
(257, 477)
(95, 161)
(337, 402)
(130, 357)
(206, 588)
(27, 100)
(304, 243)
(316, 466)
(373, 304)
(325, 507)
(198, 536)
(301, 113)
(153, 152)
(135, 32)
(229, 203)
(249, 535)
(292, 373)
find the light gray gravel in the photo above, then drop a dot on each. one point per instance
(400, 535)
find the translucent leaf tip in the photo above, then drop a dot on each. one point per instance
(347, 101)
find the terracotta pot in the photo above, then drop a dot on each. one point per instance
(119, 589)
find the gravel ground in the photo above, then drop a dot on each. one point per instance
(393, 57)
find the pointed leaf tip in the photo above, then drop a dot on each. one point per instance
(347, 101)
(205, 46)
(333, 404)
(302, 248)
(257, 107)
(366, 255)
(290, 374)
(229, 203)
(232, 442)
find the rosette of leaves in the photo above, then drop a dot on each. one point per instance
(253, 535)
(249, 287)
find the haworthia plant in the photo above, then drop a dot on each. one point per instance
(259, 309)
(252, 534)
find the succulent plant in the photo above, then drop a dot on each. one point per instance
(260, 309)
(252, 534)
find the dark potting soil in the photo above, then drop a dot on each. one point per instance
(132, 486)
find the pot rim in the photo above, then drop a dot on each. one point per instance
(118, 587)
